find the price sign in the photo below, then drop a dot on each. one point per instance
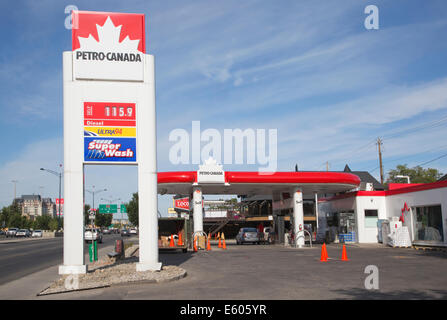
(110, 132)
(109, 114)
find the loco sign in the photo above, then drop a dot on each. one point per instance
(182, 203)
(108, 46)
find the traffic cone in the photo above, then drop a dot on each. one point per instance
(208, 246)
(344, 255)
(324, 254)
(195, 244)
(180, 240)
(220, 243)
(172, 244)
(224, 246)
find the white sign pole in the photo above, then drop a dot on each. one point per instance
(73, 177)
(147, 172)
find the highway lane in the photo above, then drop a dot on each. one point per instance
(18, 259)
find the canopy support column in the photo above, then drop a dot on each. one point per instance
(298, 217)
(198, 209)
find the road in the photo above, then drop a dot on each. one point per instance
(22, 258)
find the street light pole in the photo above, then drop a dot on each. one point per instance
(15, 182)
(57, 174)
(93, 193)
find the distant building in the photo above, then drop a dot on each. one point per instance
(33, 206)
(48, 207)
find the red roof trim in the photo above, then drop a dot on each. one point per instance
(177, 177)
(413, 188)
(421, 187)
(274, 177)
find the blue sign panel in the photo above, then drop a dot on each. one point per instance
(110, 149)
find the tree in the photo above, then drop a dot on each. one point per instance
(42, 222)
(10, 216)
(416, 174)
(86, 219)
(53, 224)
(103, 219)
(132, 209)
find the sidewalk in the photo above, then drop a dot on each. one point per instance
(15, 240)
(28, 287)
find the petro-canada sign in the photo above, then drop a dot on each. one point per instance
(109, 110)
(108, 46)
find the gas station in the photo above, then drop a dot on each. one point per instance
(210, 179)
(110, 118)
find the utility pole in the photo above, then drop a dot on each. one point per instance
(327, 166)
(15, 182)
(379, 144)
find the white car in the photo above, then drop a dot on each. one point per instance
(37, 234)
(92, 235)
(23, 233)
(133, 231)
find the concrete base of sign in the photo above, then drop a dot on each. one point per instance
(141, 266)
(63, 269)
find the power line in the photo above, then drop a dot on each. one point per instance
(428, 125)
(444, 155)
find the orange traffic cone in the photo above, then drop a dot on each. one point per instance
(172, 244)
(195, 244)
(180, 240)
(344, 255)
(324, 254)
(208, 246)
(224, 246)
(220, 243)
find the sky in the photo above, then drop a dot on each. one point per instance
(309, 69)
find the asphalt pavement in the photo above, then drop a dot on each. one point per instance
(21, 257)
(275, 272)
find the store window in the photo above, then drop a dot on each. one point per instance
(371, 217)
(428, 223)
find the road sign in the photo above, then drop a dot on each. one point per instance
(91, 214)
(108, 208)
(123, 208)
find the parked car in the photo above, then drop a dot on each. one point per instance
(11, 232)
(23, 233)
(2, 233)
(248, 235)
(125, 233)
(106, 231)
(92, 235)
(133, 231)
(268, 235)
(37, 234)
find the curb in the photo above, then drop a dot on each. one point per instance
(143, 281)
(26, 240)
(429, 248)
